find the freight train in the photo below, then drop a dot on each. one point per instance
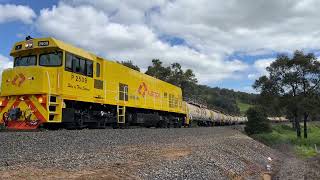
(53, 83)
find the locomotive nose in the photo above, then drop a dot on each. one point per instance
(24, 80)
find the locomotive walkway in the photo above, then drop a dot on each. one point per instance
(194, 153)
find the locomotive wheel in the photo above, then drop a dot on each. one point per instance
(79, 123)
(102, 124)
(114, 125)
(162, 124)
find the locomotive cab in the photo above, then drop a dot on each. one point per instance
(26, 89)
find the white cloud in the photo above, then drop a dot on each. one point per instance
(92, 28)
(5, 63)
(10, 12)
(241, 25)
(124, 12)
(259, 68)
(213, 28)
(249, 89)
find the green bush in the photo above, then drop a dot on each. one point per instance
(257, 121)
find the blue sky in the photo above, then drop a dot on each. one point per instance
(10, 30)
(227, 45)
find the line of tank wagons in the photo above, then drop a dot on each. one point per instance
(202, 116)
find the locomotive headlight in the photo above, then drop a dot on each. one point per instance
(40, 99)
(1, 103)
(29, 45)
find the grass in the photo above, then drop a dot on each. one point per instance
(284, 134)
(243, 107)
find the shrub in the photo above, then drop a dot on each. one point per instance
(257, 121)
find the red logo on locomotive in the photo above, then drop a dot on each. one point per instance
(143, 90)
(18, 80)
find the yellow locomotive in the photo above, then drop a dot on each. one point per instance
(54, 83)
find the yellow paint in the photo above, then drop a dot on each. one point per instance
(143, 91)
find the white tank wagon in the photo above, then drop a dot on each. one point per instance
(243, 120)
(229, 119)
(202, 116)
(213, 116)
(224, 119)
(278, 119)
(235, 120)
(283, 119)
(206, 117)
(218, 118)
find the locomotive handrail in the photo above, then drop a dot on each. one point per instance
(49, 83)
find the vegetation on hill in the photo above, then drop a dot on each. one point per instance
(243, 107)
(225, 100)
(285, 135)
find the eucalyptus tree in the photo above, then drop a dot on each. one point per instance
(295, 81)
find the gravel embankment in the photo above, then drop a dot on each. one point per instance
(194, 153)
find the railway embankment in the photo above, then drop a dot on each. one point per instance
(184, 153)
(301, 156)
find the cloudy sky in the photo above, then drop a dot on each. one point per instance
(227, 43)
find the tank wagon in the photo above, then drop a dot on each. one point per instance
(54, 83)
(278, 119)
(205, 117)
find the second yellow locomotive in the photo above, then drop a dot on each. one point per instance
(53, 83)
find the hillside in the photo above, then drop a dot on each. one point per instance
(243, 107)
(225, 100)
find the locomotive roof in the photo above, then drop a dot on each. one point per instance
(55, 43)
(51, 43)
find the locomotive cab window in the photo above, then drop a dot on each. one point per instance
(75, 64)
(51, 59)
(82, 67)
(68, 62)
(25, 61)
(78, 65)
(89, 66)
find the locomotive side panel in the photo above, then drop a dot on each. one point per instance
(127, 87)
